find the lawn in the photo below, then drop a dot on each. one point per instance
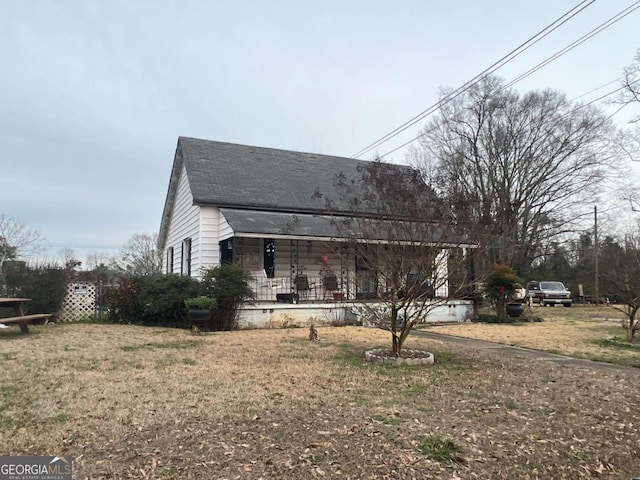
(136, 402)
(592, 332)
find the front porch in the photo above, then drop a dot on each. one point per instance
(298, 280)
(296, 271)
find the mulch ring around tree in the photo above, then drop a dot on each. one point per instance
(406, 357)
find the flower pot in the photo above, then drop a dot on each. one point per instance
(514, 310)
(198, 316)
(338, 296)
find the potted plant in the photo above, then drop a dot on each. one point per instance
(502, 286)
(199, 310)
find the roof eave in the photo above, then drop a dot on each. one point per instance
(178, 162)
(354, 240)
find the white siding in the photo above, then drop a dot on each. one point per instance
(224, 229)
(184, 224)
(209, 237)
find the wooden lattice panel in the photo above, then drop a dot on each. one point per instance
(79, 302)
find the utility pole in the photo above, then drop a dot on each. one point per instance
(595, 250)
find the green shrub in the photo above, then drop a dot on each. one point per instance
(162, 300)
(44, 284)
(200, 303)
(156, 300)
(162, 297)
(228, 284)
(123, 302)
(500, 286)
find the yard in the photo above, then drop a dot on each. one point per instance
(591, 332)
(136, 402)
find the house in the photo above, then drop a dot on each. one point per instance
(273, 212)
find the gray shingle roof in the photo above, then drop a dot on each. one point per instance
(264, 223)
(226, 174)
(258, 178)
(279, 223)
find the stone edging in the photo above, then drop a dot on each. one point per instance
(374, 356)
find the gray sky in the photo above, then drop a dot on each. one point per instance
(94, 94)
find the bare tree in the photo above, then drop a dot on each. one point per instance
(409, 256)
(630, 93)
(69, 260)
(140, 255)
(97, 259)
(16, 239)
(622, 274)
(523, 164)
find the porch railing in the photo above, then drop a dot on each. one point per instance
(308, 289)
(296, 290)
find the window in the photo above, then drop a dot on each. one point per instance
(170, 260)
(185, 267)
(226, 251)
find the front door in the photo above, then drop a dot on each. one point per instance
(269, 256)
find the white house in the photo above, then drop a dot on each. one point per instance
(259, 207)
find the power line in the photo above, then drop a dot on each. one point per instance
(84, 247)
(583, 105)
(603, 26)
(597, 88)
(618, 110)
(619, 16)
(494, 67)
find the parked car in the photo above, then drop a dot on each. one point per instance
(549, 293)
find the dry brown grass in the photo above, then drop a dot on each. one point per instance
(135, 402)
(580, 331)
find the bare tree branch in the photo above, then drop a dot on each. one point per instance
(140, 255)
(525, 164)
(409, 255)
(17, 240)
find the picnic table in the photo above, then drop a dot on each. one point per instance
(17, 304)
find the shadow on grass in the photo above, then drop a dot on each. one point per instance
(12, 333)
(177, 344)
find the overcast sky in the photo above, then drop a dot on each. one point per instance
(94, 94)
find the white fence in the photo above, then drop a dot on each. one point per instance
(79, 302)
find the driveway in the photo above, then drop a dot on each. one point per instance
(519, 352)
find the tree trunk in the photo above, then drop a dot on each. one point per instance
(396, 344)
(633, 325)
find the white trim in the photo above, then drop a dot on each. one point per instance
(359, 240)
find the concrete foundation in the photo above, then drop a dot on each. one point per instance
(282, 315)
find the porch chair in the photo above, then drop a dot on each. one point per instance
(269, 285)
(330, 285)
(303, 287)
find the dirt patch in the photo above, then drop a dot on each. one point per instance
(134, 402)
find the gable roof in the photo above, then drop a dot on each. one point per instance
(231, 175)
(257, 178)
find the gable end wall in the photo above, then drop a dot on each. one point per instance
(185, 223)
(209, 236)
